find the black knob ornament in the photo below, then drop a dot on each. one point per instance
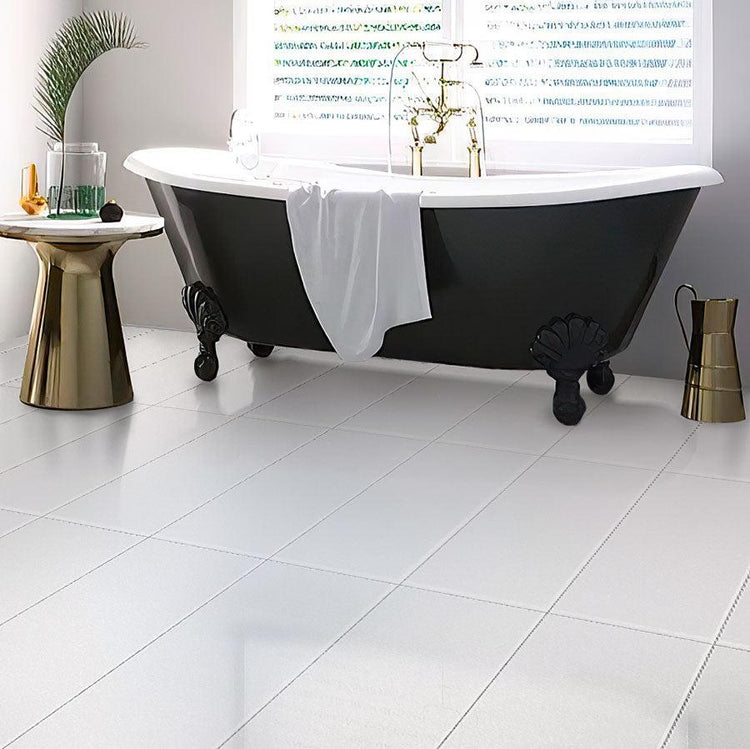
(111, 212)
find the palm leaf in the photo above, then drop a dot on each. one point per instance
(78, 43)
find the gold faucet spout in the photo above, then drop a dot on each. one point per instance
(439, 110)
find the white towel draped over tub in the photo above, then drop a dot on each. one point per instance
(361, 260)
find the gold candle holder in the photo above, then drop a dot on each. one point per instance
(31, 201)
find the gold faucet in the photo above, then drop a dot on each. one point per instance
(439, 111)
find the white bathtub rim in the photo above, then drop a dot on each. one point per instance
(214, 171)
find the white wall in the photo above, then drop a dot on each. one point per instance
(180, 92)
(24, 30)
(176, 92)
(714, 251)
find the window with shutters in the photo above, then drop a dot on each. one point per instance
(564, 82)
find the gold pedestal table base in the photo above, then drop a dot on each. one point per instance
(76, 357)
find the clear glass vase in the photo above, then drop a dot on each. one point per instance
(244, 139)
(82, 171)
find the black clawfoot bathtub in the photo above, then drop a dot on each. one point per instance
(524, 270)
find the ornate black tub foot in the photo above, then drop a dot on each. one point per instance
(261, 350)
(203, 308)
(567, 348)
(600, 378)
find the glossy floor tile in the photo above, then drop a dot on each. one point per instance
(12, 360)
(194, 687)
(675, 563)
(498, 423)
(45, 555)
(9, 521)
(718, 450)
(160, 492)
(443, 554)
(717, 716)
(63, 474)
(393, 526)
(38, 431)
(155, 345)
(430, 405)
(526, 545)
(737, 632)
(639, 425)
(402, 677)
(244, 388)
(10, 405)
(334, 397)
(174, 375)
(68, 641)
(578, 685)
(13, 343)
(133, 331)
(271, 509)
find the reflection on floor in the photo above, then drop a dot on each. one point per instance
(310, 554)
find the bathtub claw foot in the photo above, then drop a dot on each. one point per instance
(567, 404)
(600, 378)
(261, 350)
(567, 349)
(203, 308)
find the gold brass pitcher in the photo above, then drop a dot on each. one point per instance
(713, 389)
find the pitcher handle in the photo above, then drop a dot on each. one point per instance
(677, 309)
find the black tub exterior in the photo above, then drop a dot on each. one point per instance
(495, 275)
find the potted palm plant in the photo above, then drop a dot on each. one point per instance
(76, 171)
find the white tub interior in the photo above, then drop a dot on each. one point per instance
(217, 171)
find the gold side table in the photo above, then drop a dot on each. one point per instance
(76, 357)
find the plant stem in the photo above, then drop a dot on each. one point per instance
(62, 176)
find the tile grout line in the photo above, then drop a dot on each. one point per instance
(47, 515)
(396, 586)
(326, 430)
(707, 476)
(631, 628)
(505, 488)
(738, 648)
(13, 348)
(411, 379)
(22, 415)
(261, 563)
(142, 540)
(249, 414)
(704, 662)
(406, 585)
(150, 364)
(143, 409)
(161, 402)
(696, 428)
(564, 590)
(507, 387)
(132, 655)
(476, 599)
(229, 419)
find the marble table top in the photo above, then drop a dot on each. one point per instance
(36, 228)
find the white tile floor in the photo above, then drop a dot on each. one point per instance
(309, 554)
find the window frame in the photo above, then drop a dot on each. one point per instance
(369, 144)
